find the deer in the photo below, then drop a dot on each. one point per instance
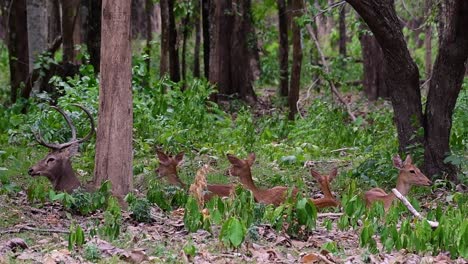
(277, 195)
(57, 165)
(168, 170)
(408, 176)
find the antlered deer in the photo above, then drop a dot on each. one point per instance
(56, 166)
(168, 169)
(277, 195)
(409, 175)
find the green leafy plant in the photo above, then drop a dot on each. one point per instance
(112, 220)
(232, 232)
(76, 236)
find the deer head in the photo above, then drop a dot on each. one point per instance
(57, 166)
(324, 181)
(409, 174)
(168, 167)
(241, 168)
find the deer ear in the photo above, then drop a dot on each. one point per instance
(163, 158)
(333, 174)
(179, 157)
(397, 162)
(408, 160)
(251, 159)
(234, 160)
(71, 150)
(317, 176)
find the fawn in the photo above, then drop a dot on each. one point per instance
(57, 166)
(168, 169)
(277, 195)
(408, 175)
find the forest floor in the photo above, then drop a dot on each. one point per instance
(43, 228)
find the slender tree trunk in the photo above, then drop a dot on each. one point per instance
(297, 60)
(206, 36)
(283, 48)
(342, 30)
(17, 46)
(196, 52)
(69, 17)
(37, 30)
(93, 32)
(445, 85)
(164, 59)
(114, 135)
(174, 69)
(374, 77)
(54, 21)
(402, 76)
(428, 40)
(149, 31)
(138, 24)
(185, 33)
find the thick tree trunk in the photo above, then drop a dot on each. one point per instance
(164, 59)
(174, 69)
(297, 60)
(374, 77)
(37, 29)
(69, 16)
(402, 76)
(17, 47)
(93, 32)
(114, 135)
(230, 53)
(445, 85)
(342, 30)
(196, 51)
(283, 48)
(206, 36)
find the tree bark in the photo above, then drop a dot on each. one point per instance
(17, 47)
(445, 85)
(283, 48)
(54, 21)
(196, 51)
(149, 31)
(138, 24)
(374, 76)
(342, 30)
(114, 135)
(297, 60)
(174, 69)
(69, 17)
(37, 30)
(164, 59)
(428, 40)
(185, 33)
(402, 76)
(206, 36)
(93, 32)
(230, 53)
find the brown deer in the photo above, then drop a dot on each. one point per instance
(277, 195)
(57, 166)
(408, 176)
(168, 169)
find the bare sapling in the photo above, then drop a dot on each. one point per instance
(167, 169)
(408, 176)
(57, 165)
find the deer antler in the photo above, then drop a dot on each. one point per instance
(73, 140)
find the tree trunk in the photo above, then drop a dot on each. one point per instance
(185, 33)
(428, 40)
(342, 30)
(174, 69)
(138, 19)
(402, 76)
(230, 53)
(374, 77)
(283, 47)
(93, 32)
(445, 85)
(69, 17)
(149, 31)
(37, 30)
(297, 60)
(196, 52)
(54, 21)
(206, 36)
(17, 46)
(164, 59)
(114, 135)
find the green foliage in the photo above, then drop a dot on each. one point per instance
(166, 197)
(140, 208)
(112, 220)
(76, 236)
(91, 252)
(193, 218)
(232, 232)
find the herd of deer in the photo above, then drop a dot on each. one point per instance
(57, 167)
